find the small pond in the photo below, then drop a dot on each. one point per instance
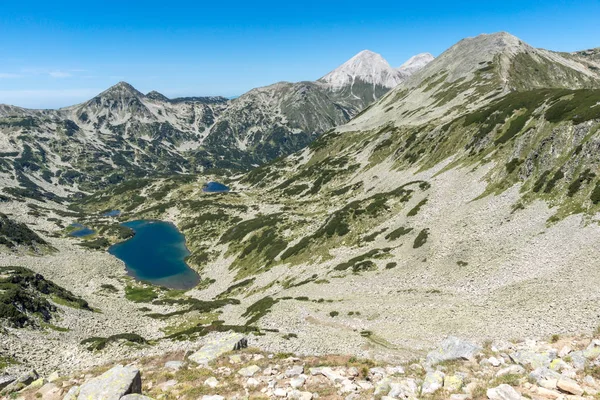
(215, 187)
(156, 254)
(81, 230)
(112, 213)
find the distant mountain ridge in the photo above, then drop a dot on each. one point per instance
(123, 133)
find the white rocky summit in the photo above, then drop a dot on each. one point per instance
(372, 68)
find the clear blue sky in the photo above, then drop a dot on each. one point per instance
(57, 53)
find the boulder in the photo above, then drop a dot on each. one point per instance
(294, 371)
(511, 370)
(174, 365)
(72, 393)
(20, 383)
(216, 347)
(406, 388)
(112, 385)
(569, 386)
(532, 359)
(453, 383)
(545, 377)
(6, 380)
(211, 382)
(452, 348)
(249, 371)
(503, 392)
(578, 360)
(433, 382)
(298, 381)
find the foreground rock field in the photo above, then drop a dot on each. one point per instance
(561, 368)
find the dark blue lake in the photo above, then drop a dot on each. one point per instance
(215, 187)
(156, 254)
(81, 230)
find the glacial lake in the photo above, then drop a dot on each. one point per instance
(156, 253)
(81, 230)
(112, 213)
(215, 187)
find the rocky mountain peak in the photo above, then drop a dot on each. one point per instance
(415, 63)
(365, 66)
(154, 95)
(122, 89)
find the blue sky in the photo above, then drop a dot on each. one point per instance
(58, 53)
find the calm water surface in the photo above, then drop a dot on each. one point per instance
(156, 254)
(215, 187)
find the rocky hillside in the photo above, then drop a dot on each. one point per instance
(467, 187)
(123, 134)
(464, 201)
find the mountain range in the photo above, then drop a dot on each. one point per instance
(383, 209)
(123, 133)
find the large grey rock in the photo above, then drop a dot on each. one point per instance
(20, 383)
(503, 392)
(216, 348)
(112, 385)
(249, 371)
(511, 370)
(545, 377)
(72, 393)
(578, 360)
(569, 386)
(174, 365)
(532, 359)
(452, 348)
(6, 380)
(405, 389)
(433, 382)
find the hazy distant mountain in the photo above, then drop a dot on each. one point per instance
(123, 133)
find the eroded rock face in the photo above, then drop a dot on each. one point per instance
(112, 385)
(217, 347)
(453, 348)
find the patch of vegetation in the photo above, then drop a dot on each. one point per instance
(216, 326)
(109, 288)
(236, 288)
(421, 238)
(259, 309)
(462, 263)
(585, 177)
(577, 106)
(513, 164)
(595, 196)
(99, 343)
(334, 314)
(13, 234)
(96, 244)
(558, 175)
(140, 294)
(362, 263)
(415, 210)
(395, 234)
(200, 306)
(24, 293)
(391, 265)
(338, 224)
(540, 182)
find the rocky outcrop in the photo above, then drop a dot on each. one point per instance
(112, 385)
(267, 375)
(217, 347)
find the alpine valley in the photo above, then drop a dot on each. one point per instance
(371, 213)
